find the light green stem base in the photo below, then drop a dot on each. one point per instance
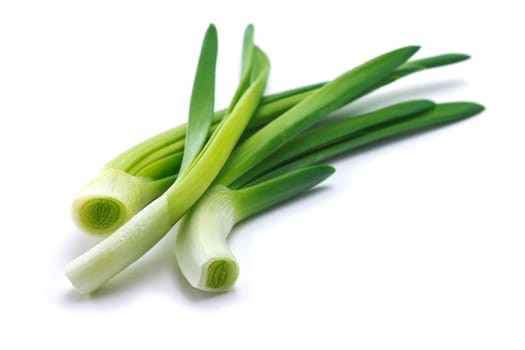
(202, 252)
(111, 199)
(204, 256)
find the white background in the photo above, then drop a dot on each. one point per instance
(414, 244)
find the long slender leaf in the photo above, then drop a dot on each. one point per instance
(202, 99)
(440, 115)
(333, 132)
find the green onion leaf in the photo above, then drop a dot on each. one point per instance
(332, 132)
(202, 98)
(441, 114)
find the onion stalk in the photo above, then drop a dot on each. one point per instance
(201, 249)
(203, 254)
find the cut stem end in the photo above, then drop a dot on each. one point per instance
(111, 199)
(220, 274)
(102, 216)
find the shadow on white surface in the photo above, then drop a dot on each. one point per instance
(76, 243)
(124, 287)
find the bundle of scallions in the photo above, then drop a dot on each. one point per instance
(222, 167)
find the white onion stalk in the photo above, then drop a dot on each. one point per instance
(202, 251)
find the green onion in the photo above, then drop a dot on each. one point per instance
(102, 262)
(139, 175)
(202, 252)
(223, 167)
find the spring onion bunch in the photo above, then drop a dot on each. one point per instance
(223, 167)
